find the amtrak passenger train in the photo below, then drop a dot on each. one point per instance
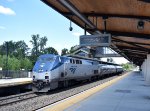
(53, 71)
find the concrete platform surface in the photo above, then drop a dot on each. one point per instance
(14, 82)
(128, 94)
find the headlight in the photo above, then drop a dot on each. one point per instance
(46, 77)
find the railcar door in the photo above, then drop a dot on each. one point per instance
(65, 69)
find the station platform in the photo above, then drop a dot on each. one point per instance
(14, 82)
(129, 93)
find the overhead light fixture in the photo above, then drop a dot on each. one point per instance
(140, 25)
(70, 28)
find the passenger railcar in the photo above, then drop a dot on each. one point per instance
(53, 71)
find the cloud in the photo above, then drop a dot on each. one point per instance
(2, 27)
(6, 11)
(77, 34)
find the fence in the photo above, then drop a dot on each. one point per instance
(14, 74)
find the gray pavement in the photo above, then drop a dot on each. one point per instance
(129, 94)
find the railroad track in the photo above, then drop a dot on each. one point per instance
(57, 100)
(17, 98)
(32, 101)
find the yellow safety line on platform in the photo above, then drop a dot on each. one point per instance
(62, 105)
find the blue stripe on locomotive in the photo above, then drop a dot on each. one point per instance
(49, 66)
(59, 62)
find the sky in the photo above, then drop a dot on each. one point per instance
(19, 19)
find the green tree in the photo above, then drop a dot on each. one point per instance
(17, 49)
(1, 50)
(128, 66)
(35, 42)
(64, 51)
(25, 64)
(21, 49)
(1, 61)
(50, 50)
(72, 49)
(42, 43)
(13, 64)
(38, 44)
(17, 53)
(10, 48)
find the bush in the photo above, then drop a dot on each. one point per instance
(14, 63)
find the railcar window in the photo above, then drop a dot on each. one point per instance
(71, 61)
(80, 62)
(77, 62)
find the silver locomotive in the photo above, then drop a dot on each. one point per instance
(53, 71)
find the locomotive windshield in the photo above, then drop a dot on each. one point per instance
(44, 59)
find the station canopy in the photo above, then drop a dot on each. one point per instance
(128, 21)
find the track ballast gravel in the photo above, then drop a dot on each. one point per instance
(47, 99)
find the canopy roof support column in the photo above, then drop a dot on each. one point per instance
(148, 70)
(145, 66)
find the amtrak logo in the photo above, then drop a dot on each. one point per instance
(72, 70)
